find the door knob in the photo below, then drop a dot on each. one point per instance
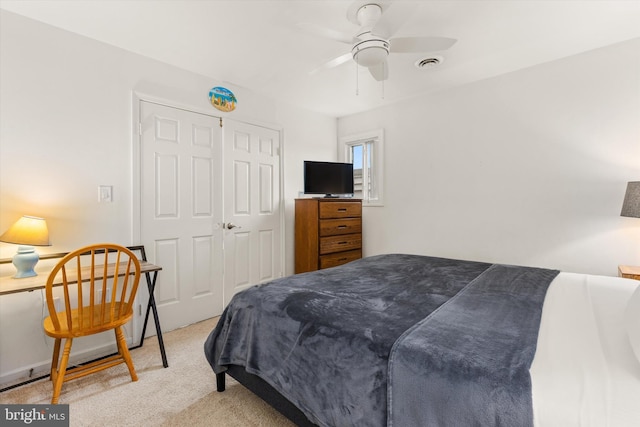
(231, 225)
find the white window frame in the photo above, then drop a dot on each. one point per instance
(375, 139)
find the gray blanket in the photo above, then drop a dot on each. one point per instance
(468, 362)
(323, 339)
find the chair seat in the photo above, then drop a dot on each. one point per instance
(100, 323)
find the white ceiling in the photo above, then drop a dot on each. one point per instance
(258, 45)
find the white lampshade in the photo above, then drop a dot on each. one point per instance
(28, 231)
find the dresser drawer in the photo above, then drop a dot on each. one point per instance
(334, 227)
(342, 243)
(340, 209)
(333, 260)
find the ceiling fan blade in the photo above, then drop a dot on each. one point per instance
(380, 72)
(333, 63)
(394, 17)
(420, 44)
(326, 33)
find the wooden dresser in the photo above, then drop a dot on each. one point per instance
(328, 232)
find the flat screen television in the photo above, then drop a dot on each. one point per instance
(329, 178)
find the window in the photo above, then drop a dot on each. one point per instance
(365, 152)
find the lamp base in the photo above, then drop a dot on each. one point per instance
(25, 260)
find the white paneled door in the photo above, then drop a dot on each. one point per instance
(181, 211)
(210, 209)
(252, 239)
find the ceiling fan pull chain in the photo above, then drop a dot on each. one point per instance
(384, 69)
(357, 86)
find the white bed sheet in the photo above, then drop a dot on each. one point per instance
(585, 372)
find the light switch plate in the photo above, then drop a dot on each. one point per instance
(105, 193)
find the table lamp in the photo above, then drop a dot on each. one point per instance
(27, 232)
(631, 203)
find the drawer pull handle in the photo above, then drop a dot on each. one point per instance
(342, 243)
(342, 226)
(342, 259)
(342, 209)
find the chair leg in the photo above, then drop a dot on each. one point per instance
(54, 360)
(124, 352)
(57, 384)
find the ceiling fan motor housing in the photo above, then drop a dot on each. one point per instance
(371, 51)
(368, 14)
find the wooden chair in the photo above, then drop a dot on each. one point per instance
(97, 296)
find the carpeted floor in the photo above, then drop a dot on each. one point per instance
(184, 394)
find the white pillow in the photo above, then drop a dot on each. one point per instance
(632, 321)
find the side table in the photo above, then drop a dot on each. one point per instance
(629, 272)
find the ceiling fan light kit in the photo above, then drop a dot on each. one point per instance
(370, 52)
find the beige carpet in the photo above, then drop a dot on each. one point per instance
(184, 394)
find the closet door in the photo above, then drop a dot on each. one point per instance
(181, 211)
(252, 201)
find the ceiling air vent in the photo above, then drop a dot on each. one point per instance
(430, 62)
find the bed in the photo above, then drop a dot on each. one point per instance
(410, 340)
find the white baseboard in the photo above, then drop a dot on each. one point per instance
(42, 368)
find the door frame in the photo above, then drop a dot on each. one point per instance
(136, 178)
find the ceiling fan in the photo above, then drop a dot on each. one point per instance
(378, 20)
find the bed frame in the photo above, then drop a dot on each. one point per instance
(267, 393)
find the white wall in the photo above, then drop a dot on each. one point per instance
(65, 129)
(527, 168)
(309, 136)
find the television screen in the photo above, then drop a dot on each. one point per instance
(328, 178)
